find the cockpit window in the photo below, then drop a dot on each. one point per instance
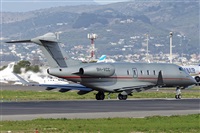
(181, 69)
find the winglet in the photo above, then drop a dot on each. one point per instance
(160, 79)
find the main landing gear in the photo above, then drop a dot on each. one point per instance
(100, 95)
(178, 93)
(122, 97)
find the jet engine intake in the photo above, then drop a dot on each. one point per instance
(100, 70)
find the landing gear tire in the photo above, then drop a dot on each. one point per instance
(178, 93)
(178, 96)
(122, 97)
(100, 96)
(198, 80)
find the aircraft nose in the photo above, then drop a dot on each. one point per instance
(48, 71)
(193, 81)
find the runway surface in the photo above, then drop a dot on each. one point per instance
(97, 109)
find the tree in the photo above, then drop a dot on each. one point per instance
(26, 65)
(17, 69)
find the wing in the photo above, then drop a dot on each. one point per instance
(128, 89)
(67, 87)
(63, 87)
(140, 86)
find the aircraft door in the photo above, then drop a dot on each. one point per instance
(135, 73)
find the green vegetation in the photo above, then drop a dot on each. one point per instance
(33, 68)
(20, 95)
(27, 66)
(24, 63)
(17, 69)
(164, 124)
(2, 68)
(87, 19)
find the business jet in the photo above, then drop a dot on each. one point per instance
(122, 78)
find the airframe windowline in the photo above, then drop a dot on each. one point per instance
(122, 78)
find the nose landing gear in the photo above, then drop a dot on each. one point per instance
(178, 93)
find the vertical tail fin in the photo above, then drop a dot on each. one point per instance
(102, 59)
(50, 47)
(10, 67)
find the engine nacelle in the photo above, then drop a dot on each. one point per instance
(97, 70)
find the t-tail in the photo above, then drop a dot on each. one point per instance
(50, 47)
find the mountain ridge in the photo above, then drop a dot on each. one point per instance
(115, 23)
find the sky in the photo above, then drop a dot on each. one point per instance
(29, 5)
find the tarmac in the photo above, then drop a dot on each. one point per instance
(86, 109)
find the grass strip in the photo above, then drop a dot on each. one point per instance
(154, 124)
(20, 95)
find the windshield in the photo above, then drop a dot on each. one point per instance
(181, 69)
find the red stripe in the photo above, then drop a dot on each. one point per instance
(122, 77)
(163, 78)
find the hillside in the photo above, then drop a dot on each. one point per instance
(117, 25)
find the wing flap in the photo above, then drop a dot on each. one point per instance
(81, 92)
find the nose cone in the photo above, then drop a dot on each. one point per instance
(192, 81)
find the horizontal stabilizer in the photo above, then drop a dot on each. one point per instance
(49, 37)
(19, 41)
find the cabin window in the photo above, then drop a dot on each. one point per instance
(181, 69)
(127, 72)
(60, 69)
(148, 72)
(141, 72)
(154, 72)
(135, 74)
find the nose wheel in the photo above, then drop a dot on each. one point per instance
(178, 96)
(178, 93)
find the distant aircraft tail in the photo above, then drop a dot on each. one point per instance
(101, 59)
(9, 68)
(50, 47)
